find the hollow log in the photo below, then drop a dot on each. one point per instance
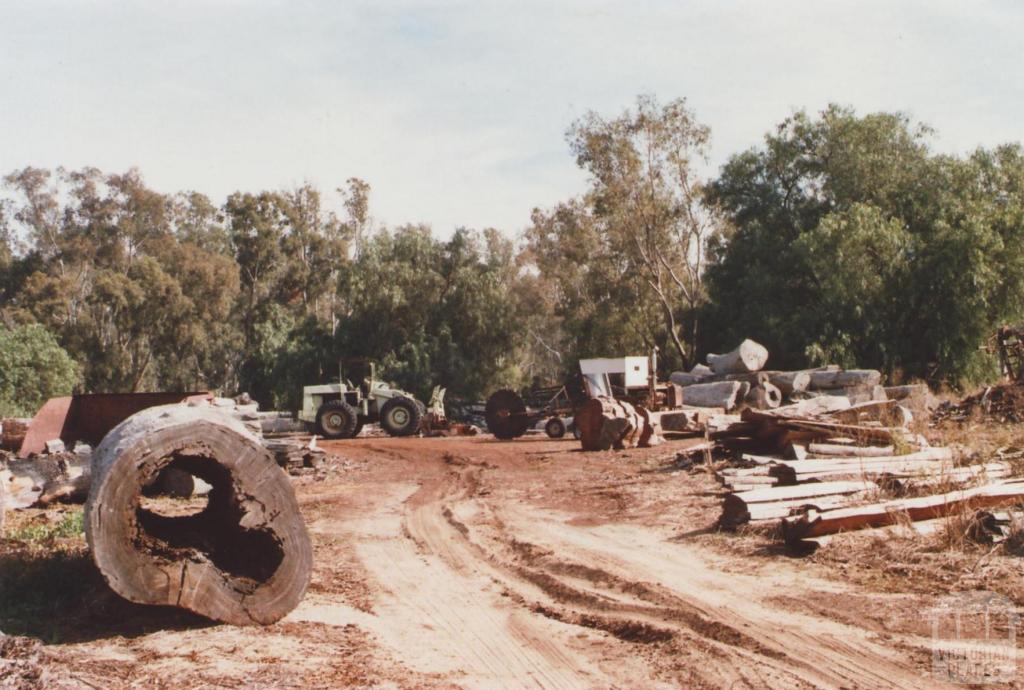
(244, 559)
(844, 379)
(764, 397)
(722, 394)
(749, 356)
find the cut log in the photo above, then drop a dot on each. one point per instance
(749, 356)
(811, 408)
(722, 394)
(244, 559)
(890, 512)
(788, 382)
(909, 391)
(701, 370)
(763, 397)
(681, 378)
(605, 423)
(679, 421)
(844, 379)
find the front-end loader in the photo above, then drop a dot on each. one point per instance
(339, 410)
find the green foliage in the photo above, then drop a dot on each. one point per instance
(33, 368)
(70, 526)
(434, 312)
(626, 260)
(843, 238)
(852, 242)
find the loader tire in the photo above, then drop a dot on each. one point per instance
(401, 417)
(336, 419)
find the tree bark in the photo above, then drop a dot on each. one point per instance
(245, 559)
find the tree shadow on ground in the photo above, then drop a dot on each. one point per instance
(58, 596)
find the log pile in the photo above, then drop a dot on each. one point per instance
(706, 386)
(245, 558)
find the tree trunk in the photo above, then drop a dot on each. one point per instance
(606, 423)
(244, 559)
(722, 394)
(844, 379)
(749, 356)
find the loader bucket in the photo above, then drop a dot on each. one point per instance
(88, 418)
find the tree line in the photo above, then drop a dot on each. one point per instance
(840, 238)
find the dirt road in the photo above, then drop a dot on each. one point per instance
(530, 564)
(476, 563)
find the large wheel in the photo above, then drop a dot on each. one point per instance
(555, 428)
(401, 416)
(336, 419)
(506, 415)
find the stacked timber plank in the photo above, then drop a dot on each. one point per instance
(826, 466)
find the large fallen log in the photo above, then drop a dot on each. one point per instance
(788, 382)
(749, 356)
(722, 394)
(844, 379)
(816, 523)
(244, 559)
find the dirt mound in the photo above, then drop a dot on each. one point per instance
(1002, 403)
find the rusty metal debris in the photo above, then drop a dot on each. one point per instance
(88, 418)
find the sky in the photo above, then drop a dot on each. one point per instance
(456, 112)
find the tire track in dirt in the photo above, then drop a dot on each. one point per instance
(816, 651)
(437, 611)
